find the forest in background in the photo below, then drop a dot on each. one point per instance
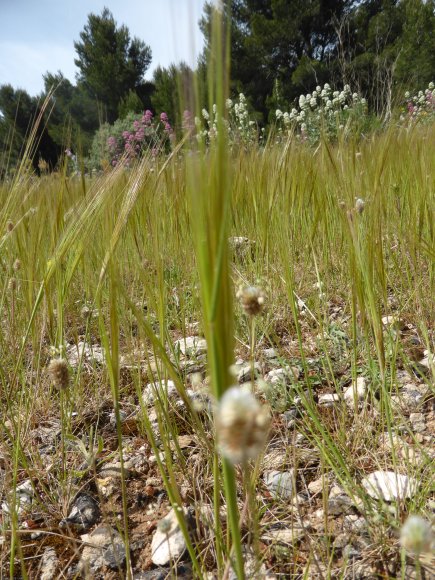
(279, 49)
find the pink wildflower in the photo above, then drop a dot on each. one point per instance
(147, 117)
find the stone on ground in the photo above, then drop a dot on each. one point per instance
(168, 543)
(389, 486)
(104, 548)
(355, 394)
(280, 483)
(49, 563)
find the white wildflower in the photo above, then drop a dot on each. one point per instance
(252, 299)
(416, 535)
(359, 205)
(242, 425)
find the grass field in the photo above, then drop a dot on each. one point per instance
(109, 273)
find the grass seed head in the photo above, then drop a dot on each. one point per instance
(12, 284)
(9, 226)
(59, 374)
(359, 205)
(164, 525)
(416, 535)
(17, 265)
(242, 424)
(252, 300)
(86, 312)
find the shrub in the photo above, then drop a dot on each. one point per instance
(128, 138)
(326, 112)
(420, 107)
(241, 128)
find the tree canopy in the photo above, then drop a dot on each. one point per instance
(295, 45)
(279, 49)
(19, 111)
(111, 63)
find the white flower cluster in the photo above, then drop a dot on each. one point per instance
(241, 129)
(420, 106)
(322, 109)
(208, 133)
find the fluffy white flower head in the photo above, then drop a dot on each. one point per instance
(242, 425)
(416, 535)
(359, 205)
(251, 298)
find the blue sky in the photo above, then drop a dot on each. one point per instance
(38, 35)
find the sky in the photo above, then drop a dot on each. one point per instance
(38, 35)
